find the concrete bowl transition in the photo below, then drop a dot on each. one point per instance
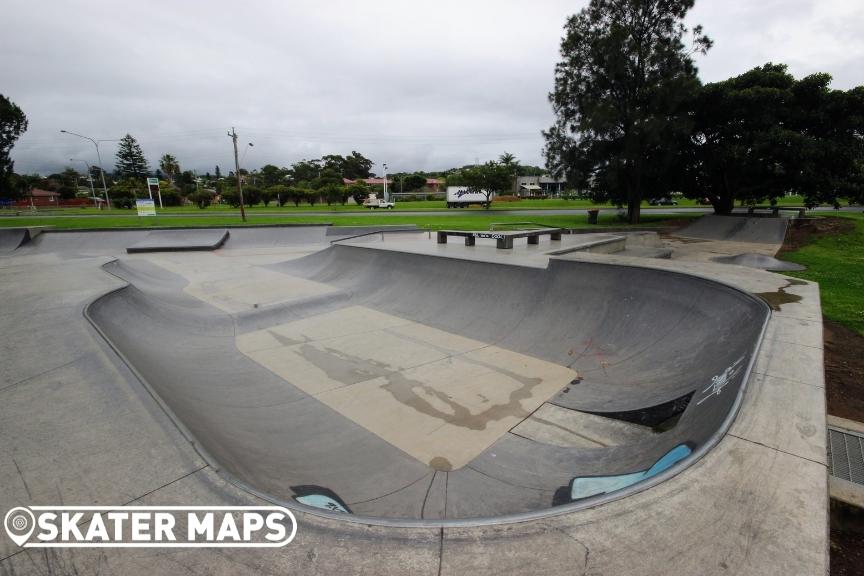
(416, 388)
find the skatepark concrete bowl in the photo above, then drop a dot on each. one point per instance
(390, 387)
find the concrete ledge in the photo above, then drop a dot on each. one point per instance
(180, 241)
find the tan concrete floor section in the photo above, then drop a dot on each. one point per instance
(439, 397)
(234, 286)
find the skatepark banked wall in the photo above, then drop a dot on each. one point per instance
(637, 342)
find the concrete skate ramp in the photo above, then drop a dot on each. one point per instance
(737, 229)
(760, 261)
(180, 241)
(12, 238)
(342, 392)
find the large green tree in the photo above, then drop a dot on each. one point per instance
(13, 123)
(271, 175)
(129, 160)
(412, 182)
(827, 153)
(352, 167)
(740, 137)
(169, 165)
(621, 97)
(761, 134)
(305, 170)
(488, 179)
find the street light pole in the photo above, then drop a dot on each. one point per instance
(89, 179)
(386, 199)
(233, 135)
(99, 156)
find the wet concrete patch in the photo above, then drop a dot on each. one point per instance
(777, 299)
(439, 397)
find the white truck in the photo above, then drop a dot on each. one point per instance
(460, 197)
(373, 202)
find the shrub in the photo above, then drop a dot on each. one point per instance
(312, 196)
(251, 196)
(296, 195)
(334, 193)
(278, 192)
(359, 191)
(171, 198)
(124, 193)
(201, 199)
(122, 199)
(230, 197)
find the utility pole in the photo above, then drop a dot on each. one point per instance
(89, 179)
(233, 136)
(99, 156)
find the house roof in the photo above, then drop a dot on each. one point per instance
(39, 193)
(370, 181)
(531, 187)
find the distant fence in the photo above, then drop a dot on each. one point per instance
(46, 203)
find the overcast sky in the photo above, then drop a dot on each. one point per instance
(421, 86)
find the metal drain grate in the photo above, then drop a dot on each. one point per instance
(846, 453)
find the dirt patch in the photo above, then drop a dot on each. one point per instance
(847, 540)
(802, 232)
(844, 371)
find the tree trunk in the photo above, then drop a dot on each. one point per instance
(634, 200)
(725, 201)
(633, 209)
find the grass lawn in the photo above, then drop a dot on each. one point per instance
(409, 206)
(837, 263)
(463, 220)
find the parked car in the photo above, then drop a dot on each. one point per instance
(663, 202)
(373, 202)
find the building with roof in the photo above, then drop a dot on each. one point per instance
(534, 186)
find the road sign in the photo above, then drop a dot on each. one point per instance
(153, 186)
(145, 207)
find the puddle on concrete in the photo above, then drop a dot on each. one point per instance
(440, 464)
(776, 299)
(285, 340)
(420, 396)
(343, 367)
(427, 400)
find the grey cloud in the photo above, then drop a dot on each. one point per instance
(418, 85)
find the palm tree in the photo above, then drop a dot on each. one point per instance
(169, 166)
(509, 160)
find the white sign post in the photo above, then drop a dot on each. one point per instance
(145, 207)
(153, 184)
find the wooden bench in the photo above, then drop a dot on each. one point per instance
(503, 239)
